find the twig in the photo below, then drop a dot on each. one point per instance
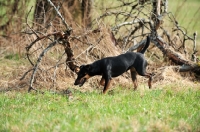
(194, 58)
(58, 13)
(132, 48)
(28, 24)
(131, 23)
(56, 67)
(90, 47)
(194, 41)
(36, 40)
(38, 62)
(25, 74)
(165, 5)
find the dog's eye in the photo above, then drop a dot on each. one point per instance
(81, 66)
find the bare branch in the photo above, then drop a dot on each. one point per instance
(28, 24)
(134, 47)
(25, 74)
(143, 21)
(37, 64)
(165, 6)
(58, 13)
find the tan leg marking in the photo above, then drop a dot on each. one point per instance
(134, 78)
(102, 81)
(106, 87)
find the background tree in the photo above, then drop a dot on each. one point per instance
(74, 11)
(12, 15)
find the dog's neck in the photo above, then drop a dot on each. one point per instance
(95, 69)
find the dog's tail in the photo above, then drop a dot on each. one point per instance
(146, 45)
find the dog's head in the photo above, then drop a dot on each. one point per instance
(83, 75)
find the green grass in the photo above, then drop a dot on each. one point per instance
(12, 57)
(122, 110)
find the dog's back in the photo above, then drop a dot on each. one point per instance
(128, 60)
(121, 63)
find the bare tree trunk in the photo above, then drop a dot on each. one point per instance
(41, 15)
(72, 10)
(12, 15)
(86, 12)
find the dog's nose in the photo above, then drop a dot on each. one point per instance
(76, 83)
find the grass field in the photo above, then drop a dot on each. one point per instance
(121, 110)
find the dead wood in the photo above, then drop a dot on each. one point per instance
(59, 37)
(126, 33)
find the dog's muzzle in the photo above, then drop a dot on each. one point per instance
(80, 82)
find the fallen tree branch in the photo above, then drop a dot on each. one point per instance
(192, 67)
(38, 62)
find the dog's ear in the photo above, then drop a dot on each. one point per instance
(77, 69)
(82, 66)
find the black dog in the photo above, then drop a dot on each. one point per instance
(114, 66)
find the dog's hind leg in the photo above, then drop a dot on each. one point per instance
(150, 79)
(134, 78)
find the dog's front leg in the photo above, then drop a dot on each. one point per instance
(107, 77)
(102, 82)
(106, 86)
